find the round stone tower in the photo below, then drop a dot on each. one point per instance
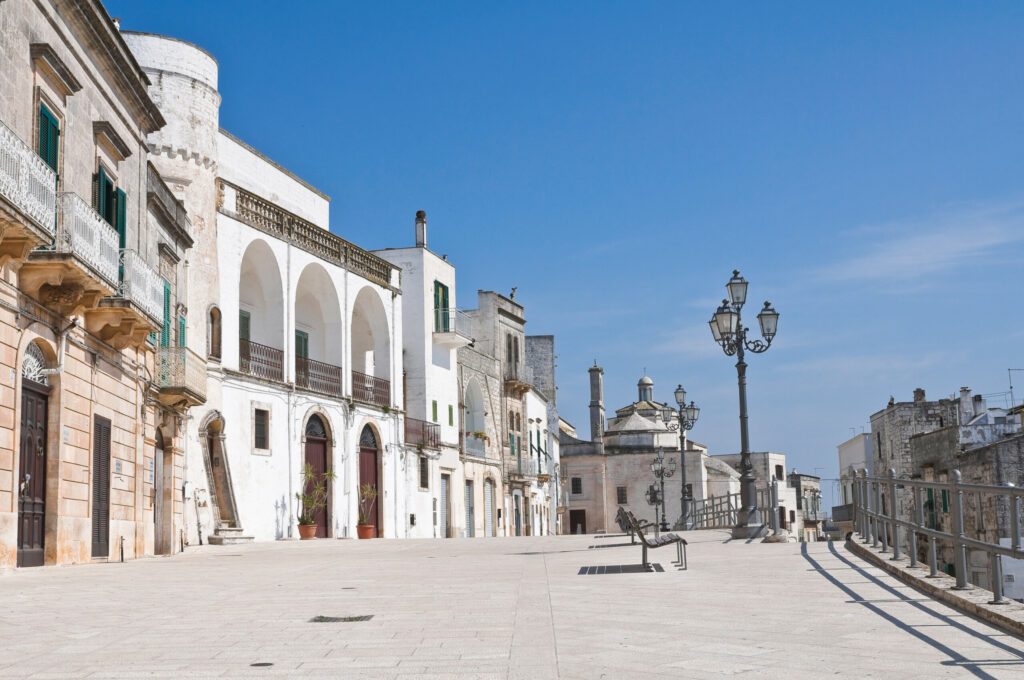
(183, 83)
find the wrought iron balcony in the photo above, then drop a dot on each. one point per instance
(813, 516)
(842, 513)
(318, 376)
(28, 197)
(260, 361)
(518, 377)
(142, 286)
(522, 467)
(475, 444)
(452, 327)
(370, 389)
(421, 433)
(181, 377)
(128, 317)
(80, 267)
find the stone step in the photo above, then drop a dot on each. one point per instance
(229, 539)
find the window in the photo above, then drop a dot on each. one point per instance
(181, 331)
(620, 495)
(577, 486)
(433, 410)
(792, 516)
(244, 324)
(49, 135)
(779, 472)
(165, 330)
(301, 344)
(213, 342)
(442, 317)
(261, 428)
(424, 472)
(451, 414)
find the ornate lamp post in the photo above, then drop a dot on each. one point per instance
(729, 332)
(661, 471)
(687, 419)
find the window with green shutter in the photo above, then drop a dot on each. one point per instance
(49, 136)
(121, 217)
(165, 330)
(442, 322)
(181, 331)
(302, 344)
(244, 323)
(105, 197)
(433, 410)
(451, 414)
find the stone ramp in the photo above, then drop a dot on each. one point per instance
(489, 608)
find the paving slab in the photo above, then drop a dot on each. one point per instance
(489, 608)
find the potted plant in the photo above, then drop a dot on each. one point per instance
(367, 497)
(312, 499)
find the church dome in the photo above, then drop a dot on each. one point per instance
(645, 389)
(646, 380)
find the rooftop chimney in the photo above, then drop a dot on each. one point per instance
(919, 394)
(966, 405)
(421, 228)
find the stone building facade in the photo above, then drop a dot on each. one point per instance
(93, 316)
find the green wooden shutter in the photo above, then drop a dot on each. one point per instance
(165, 331)
(243, 325)
(49, 134)
(102, 198)
(302, 344)
(433, 411)
(181, 331)
(451, 414)
(120, 216)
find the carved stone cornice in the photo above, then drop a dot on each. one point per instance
(45, 58)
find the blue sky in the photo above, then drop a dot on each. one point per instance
(862, 165)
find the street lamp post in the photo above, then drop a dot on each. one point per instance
(729, 332)
(661, 471)
(687, 419)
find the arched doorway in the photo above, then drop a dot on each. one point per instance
(32, 453)
(368, 473)
(316, 458)
(158, 494)
(489, 508)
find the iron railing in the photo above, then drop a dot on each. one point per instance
(523, 467)
(142, 285)
(474, 445)
(452, 320)
(895, 512)
(318, 376)
(842, 513)
(519, 373)
(81, 232)
(813, 515)
(260, 361)
(421, 433)
(271, 219)
(371, 389)
(722, 512)
(179, 368)
(27, 181)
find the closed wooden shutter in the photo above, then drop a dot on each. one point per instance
(102, 200)
(101, 488)
(165, 331)
(302, 344)
(181, 331)
(470, 521)
(243, 325)
(488, 508)
(121, 217)
(49, 134)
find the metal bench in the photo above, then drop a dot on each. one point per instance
(622, 518)
(636, 528)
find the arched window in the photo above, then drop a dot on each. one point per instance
(213, 334)
(33, 365)
(367, 439)
(508, 347)
(515, 350)
(315, 428)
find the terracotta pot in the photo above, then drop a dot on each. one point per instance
(307, 532)
(366, 530)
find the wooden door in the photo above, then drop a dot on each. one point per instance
(32, 469)
(316, 456)
(578, 521)
(101, 488)
(368, 474)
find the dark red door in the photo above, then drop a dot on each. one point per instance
(32, 470)
(368, 474)
(316, 456)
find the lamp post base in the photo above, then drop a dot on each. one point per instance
(750, 531)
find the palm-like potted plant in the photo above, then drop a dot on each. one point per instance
(367, 498)
(312, 499)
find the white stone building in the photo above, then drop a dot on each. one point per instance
(302, 328)
(440, 504)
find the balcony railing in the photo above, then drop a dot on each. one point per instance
(370, 389)
(842, 513)
(421, 433)
(475, 445)
(181, 369)
(318, 376)
(523, 467)
(452, 320)
(87, 236)
(27, 181)
(520, 373)
(814, 516)
(261, 214)
(260, 361)
(142, 285)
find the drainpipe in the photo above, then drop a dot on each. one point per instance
(62, 346)
(289, 334)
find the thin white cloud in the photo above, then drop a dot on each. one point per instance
(694, 342)
(867, 365)
(914, 250)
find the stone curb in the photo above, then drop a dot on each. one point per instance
(1007, 617)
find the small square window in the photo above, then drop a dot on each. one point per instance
(577, 485)
(261, 428)
(620, 494)
(424, 472)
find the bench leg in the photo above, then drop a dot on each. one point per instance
(679, 554)
(645, 555)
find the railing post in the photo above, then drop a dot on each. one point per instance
(996, 576)
(872, 509)
(775, 507)
(880, 527)
(915, 496)
(895, 516)
(862, 505)
(959, 548)
(1015, 520)
(933, 558)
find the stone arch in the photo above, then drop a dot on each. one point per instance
(318, 315)
(213, 333)
(218, 471)
(371, 335)
(474, 418)
(261, 295)
(370, 470)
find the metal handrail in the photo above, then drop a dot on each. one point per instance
(452, 320)
(318, 376)
(260, 361)
(371, 389)
(720, 512)
(83, 233)
(179, 367)
(422, 433)
(875, 500)
(142, 285)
